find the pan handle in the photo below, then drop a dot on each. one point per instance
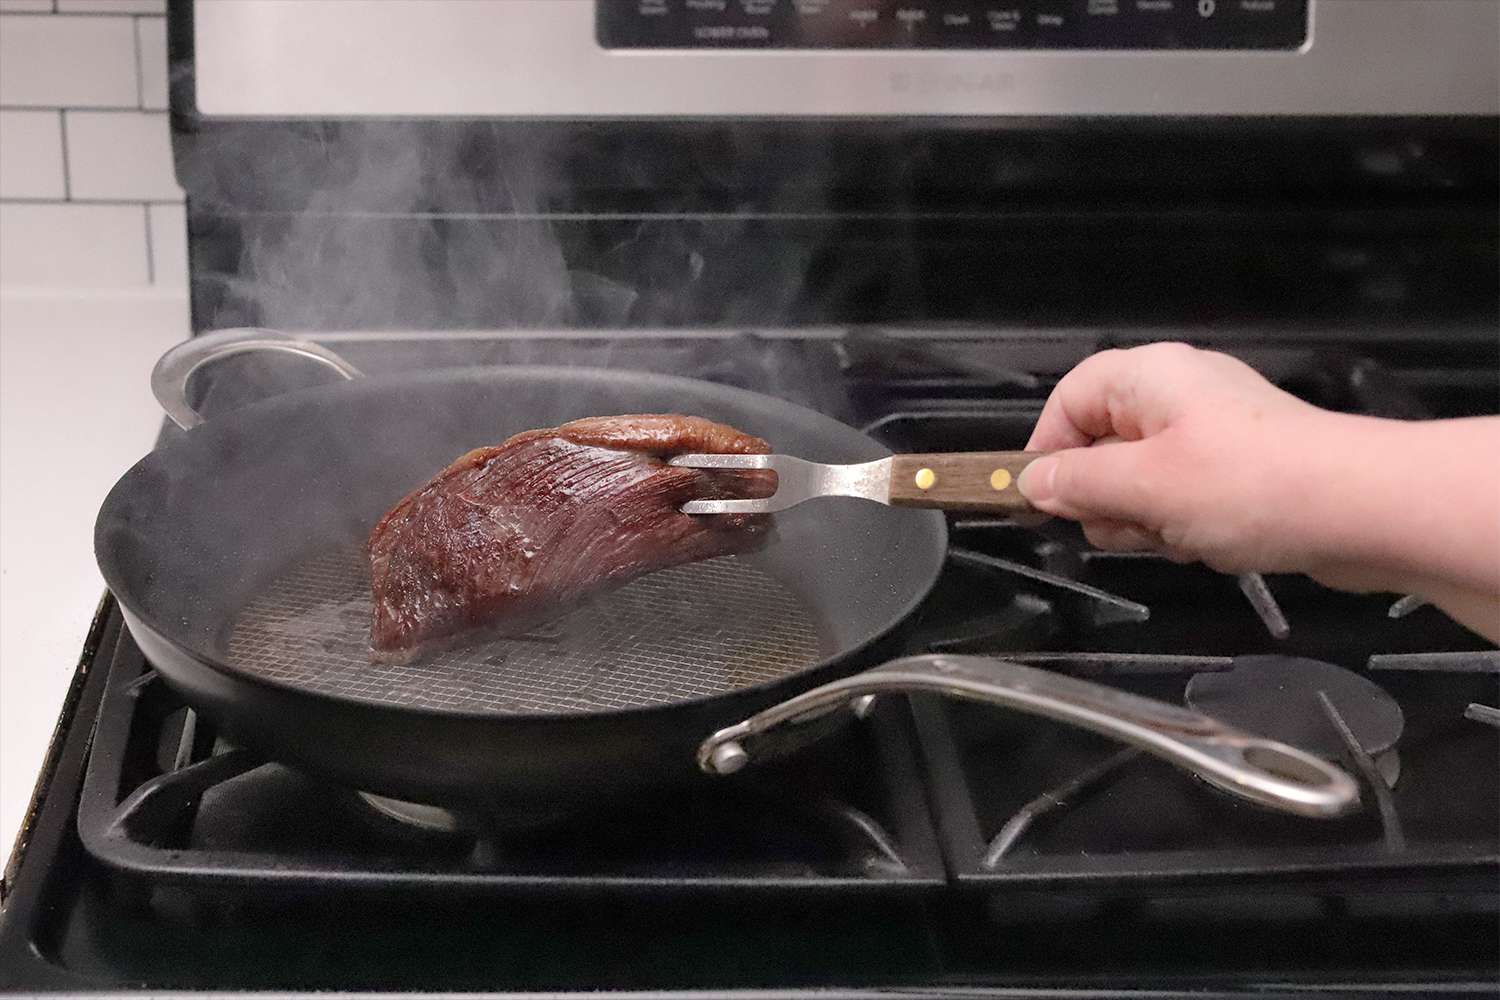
(1251, 767)
(169, 379)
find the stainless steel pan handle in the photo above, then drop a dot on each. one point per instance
(1262, 770)
(169, 379)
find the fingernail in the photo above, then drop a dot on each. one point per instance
(1036, 480)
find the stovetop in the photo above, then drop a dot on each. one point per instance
(929, 844)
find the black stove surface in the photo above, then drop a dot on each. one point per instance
(930, 845)
(72, 924)
(849, 817)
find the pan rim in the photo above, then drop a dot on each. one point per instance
(120, 588)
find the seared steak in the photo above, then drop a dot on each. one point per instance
(513, 534)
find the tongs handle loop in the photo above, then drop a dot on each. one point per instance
(170, 377)
(1262, 770)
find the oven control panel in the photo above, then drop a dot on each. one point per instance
(952, 24)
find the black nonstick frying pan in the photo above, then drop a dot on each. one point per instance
(235, 552)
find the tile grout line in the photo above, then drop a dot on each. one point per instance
(27, 200)
(62, 128)
(140, 91)
(69, 107)
(72, 14)
(150, 256)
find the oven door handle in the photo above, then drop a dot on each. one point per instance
(1252, 767)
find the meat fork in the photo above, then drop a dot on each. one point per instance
(981, 481)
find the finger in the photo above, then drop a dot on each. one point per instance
(1077, 411)
(1103, 396)
(1105, 481)
(1120, 536)
(1178, 555)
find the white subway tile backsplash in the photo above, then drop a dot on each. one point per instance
(31, 157)
(151, 36)
(112, 6)
(169, 264)
(50, 61)
(88, 199)
(124, 155)
(71, 245)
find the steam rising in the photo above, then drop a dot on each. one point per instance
(394, 226)
(421, 225)
(434, 226)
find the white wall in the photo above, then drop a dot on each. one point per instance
(93, 281)
(87, 195)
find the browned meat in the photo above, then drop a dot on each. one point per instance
(513, 534)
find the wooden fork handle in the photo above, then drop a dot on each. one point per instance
(981, 481)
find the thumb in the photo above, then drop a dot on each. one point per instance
(1103, 480)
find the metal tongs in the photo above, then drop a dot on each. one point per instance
(983, 481)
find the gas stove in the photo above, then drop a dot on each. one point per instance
(915, 217)
(929, 844)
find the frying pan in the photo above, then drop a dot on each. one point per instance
(235, 553)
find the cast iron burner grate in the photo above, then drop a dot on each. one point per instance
(1023, 802)
(83, 928)
(167, 798)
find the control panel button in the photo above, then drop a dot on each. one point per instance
(1053, 22)
(1003, 20)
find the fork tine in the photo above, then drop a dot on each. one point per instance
(723, 461)
(766, 506)
(780, 500)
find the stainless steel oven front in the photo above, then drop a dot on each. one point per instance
(865, 58)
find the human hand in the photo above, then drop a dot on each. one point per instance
(1185, 452)
(1194, 455)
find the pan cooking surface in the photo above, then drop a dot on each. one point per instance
(688, 632)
